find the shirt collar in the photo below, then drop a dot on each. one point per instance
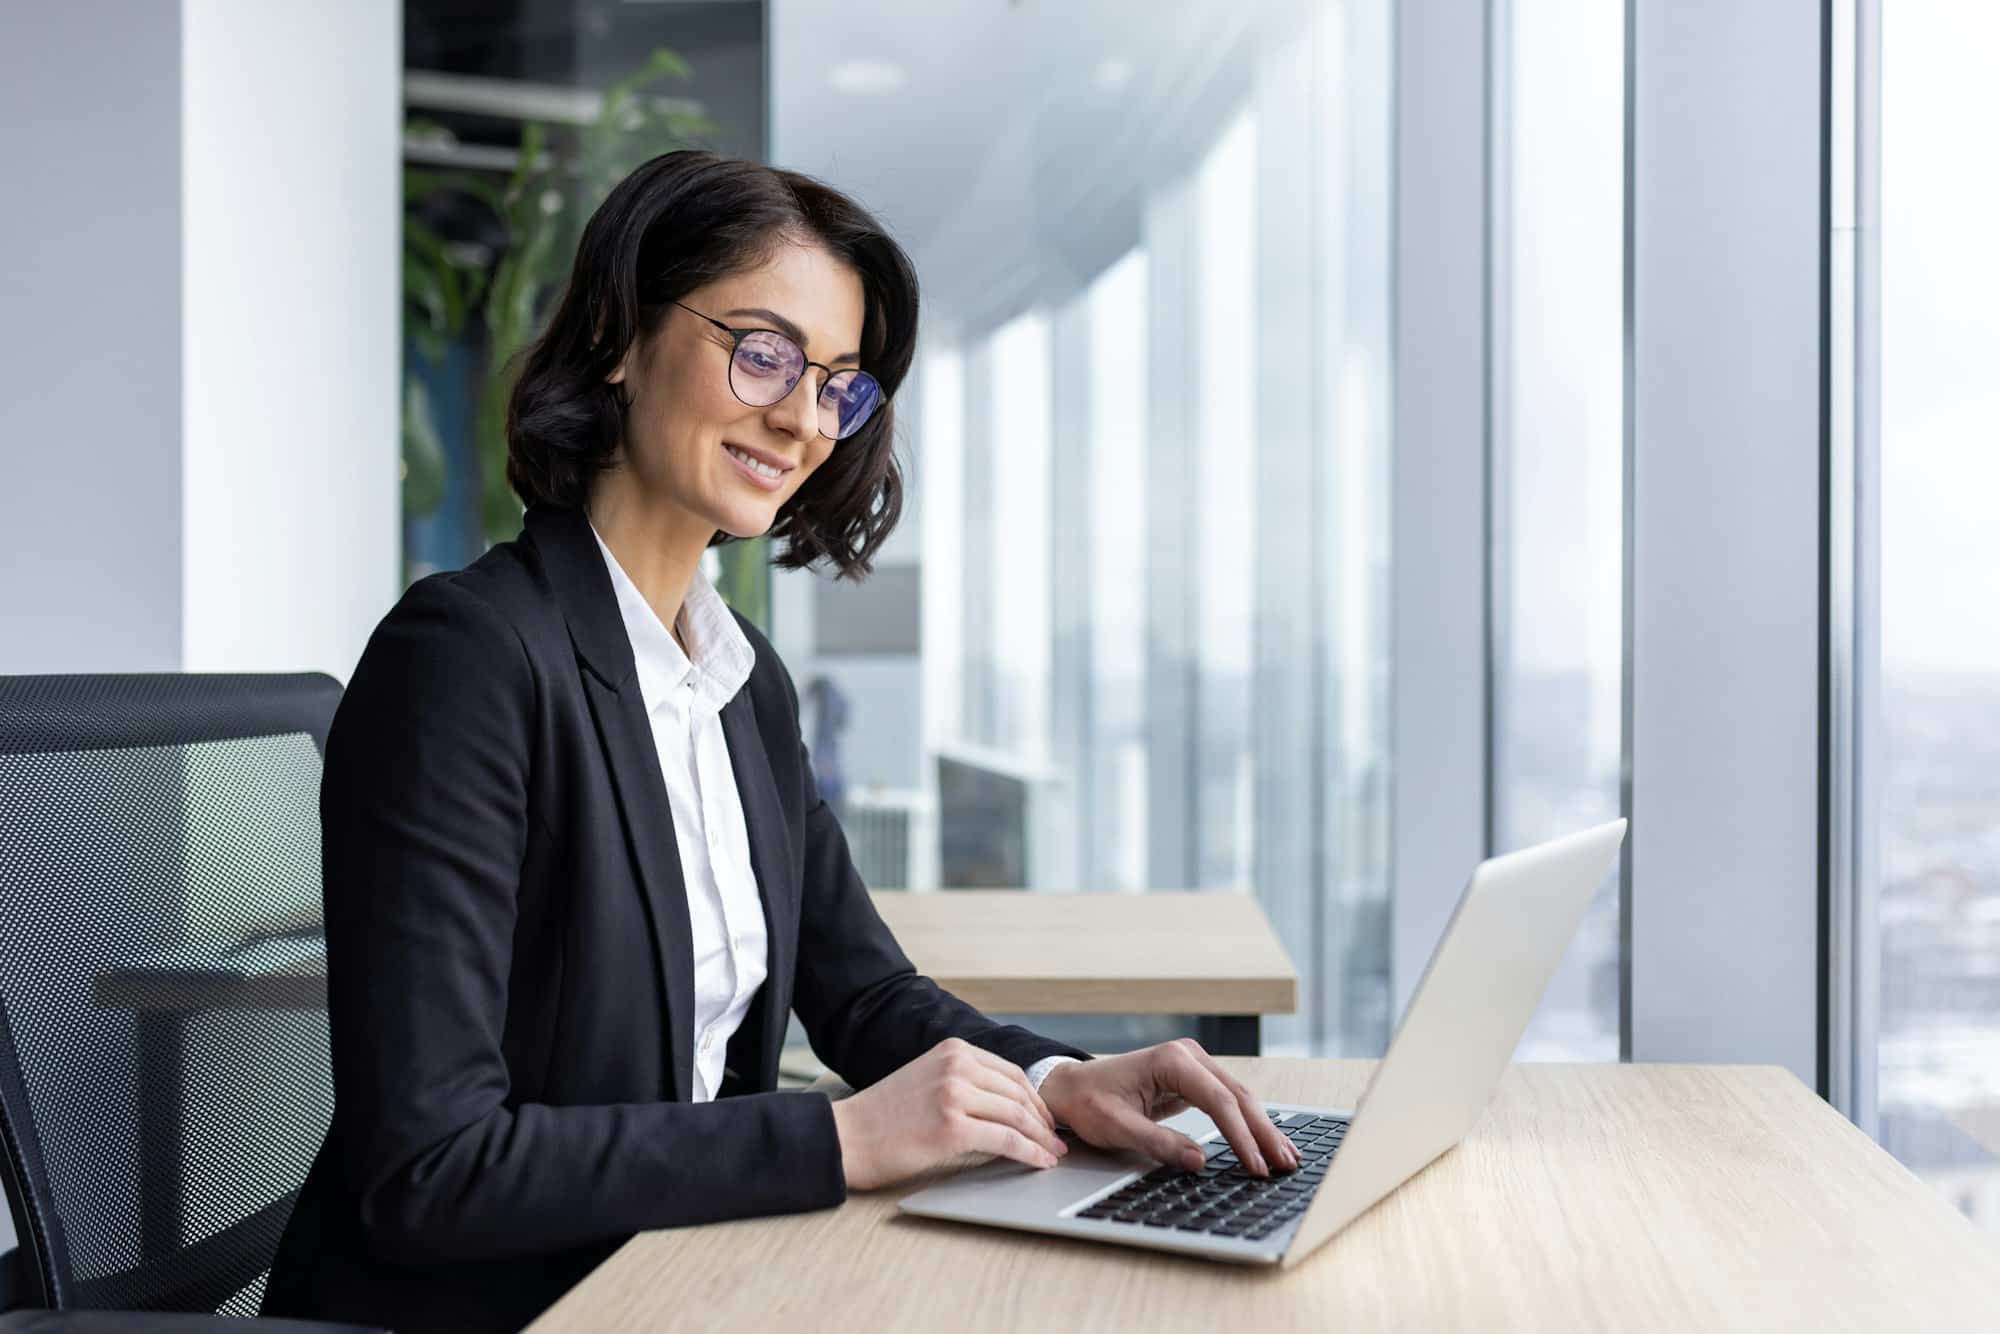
(722, 654)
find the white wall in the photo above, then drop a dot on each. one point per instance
(199, 332)
(90, 552)
(291, 205)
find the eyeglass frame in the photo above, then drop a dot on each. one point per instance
(738, 335)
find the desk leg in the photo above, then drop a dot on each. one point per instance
(1230, 1034)
(162, 1036)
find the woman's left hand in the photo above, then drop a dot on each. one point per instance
(1114, 1101)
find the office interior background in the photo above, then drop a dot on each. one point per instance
(1349, 439)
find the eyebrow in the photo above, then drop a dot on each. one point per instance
(789, 330)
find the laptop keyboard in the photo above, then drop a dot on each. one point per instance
(1224, 1199)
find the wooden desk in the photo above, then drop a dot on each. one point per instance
(1210, 955)
(1589, 1197)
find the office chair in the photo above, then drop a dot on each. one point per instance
(164, 1071)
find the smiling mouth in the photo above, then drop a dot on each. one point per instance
(755, 464)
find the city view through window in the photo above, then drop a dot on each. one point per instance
(1938, 761)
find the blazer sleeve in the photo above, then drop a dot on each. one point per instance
(865, 1008)
(424, 820)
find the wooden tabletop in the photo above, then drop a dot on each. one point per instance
(1057, 953)
(1002, 950)
(1589, 1197)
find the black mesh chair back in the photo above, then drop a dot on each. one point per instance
(164, 1072)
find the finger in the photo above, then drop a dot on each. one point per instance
(979, 1135)
(1001, 1105)
(1129, 1130)
(1270, 1139)
(1199, 1086)
(1015, 1075)
(1001, 1083)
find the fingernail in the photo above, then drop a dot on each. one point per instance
(1263, 1168)
(1049, 1159)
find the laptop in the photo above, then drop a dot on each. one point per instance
(1480, 988)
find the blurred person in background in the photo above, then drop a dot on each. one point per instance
(830, 709)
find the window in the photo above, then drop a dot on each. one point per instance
(1558, 479)
(1116, 833)
(1226, 508)
(1938, 761)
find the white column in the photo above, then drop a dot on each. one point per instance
(978, 714)
(1172, 575)
(1723, 602)
(1072, 821)
(291, 196)
(1296, 232)
(1440, 487)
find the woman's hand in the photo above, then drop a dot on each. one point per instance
(1113, 1102)
(953, 1099)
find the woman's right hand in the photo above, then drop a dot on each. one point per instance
(954, 1099)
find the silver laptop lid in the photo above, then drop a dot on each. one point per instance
(1482, 984)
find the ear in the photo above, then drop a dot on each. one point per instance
(617, 375)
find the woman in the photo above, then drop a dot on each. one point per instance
(576, 868)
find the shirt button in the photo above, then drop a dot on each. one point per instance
(707, 1039)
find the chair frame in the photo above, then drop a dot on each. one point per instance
(75, 713)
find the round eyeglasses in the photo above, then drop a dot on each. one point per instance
(766, 365)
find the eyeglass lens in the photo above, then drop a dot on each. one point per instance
(767, 365)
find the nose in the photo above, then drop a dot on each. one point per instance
(797, 413)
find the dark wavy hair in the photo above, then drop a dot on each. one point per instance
(680, 221)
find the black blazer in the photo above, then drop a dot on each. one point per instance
(510, 976)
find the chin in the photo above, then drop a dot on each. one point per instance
(744, 526)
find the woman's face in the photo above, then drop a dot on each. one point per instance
(684, 418)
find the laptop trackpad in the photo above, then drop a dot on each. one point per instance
(1004, 1185)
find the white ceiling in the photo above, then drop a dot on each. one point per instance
(1010, 161)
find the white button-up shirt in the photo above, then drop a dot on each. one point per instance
(684, 702)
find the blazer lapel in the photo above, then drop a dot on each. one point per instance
(627, 735)
(582, 587)
(770, 854)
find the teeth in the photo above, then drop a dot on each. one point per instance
(761, 468)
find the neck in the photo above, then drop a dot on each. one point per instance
(659, 545)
